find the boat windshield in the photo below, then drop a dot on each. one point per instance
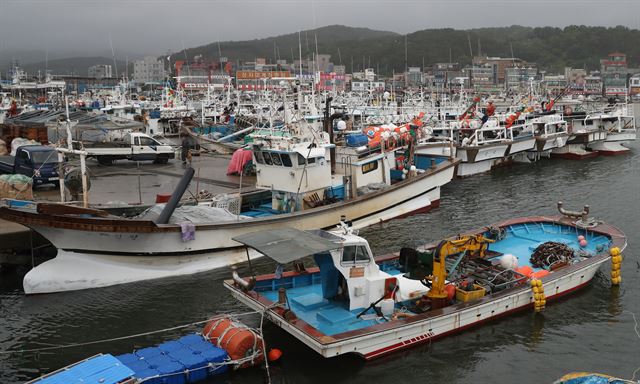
(41, 157)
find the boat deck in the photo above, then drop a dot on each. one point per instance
(332, 317)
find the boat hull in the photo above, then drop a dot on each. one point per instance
(110, 244)
(379, 344)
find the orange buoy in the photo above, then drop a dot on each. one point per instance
(236, 338)
(274, 354)
(539, 274)
(525, 270)
(450, 289)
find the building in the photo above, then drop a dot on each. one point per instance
(413, 77)
(148, 70)
(593, 85)
(500, 64)
(441, 72)
(368, 75)
(259, 80)
(554, 84)
(614, 70)
(331, 82)
(199, 74)
(484, 77)
(367, 86)
(100, 71)
(634, 85)
(520, 77)
(576, 80)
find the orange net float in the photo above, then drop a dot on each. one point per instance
(237, 339)
(539, 274)
(450, 289)
(525, 270)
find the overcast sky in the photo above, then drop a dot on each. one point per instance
(156, 26)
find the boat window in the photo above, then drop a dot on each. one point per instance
(311, 160)
(267, 158)
(301, 160)
(275, 157)
(369, 167)
(588, 122)
(353, 254)
(286, 159)
(258, 156)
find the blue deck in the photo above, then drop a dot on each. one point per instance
(522, 239)
(331, 316)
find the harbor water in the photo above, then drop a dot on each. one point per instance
(591, 330)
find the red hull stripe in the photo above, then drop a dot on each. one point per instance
(409, 343)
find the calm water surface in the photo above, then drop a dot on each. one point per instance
(590, 330)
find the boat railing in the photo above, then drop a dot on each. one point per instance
(559, 128)
(489, 135)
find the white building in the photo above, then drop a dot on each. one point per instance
(149, 70)
(100, 71)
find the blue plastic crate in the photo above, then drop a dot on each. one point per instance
(127, 358)
(147, 353)
(174, 372)
(194, 362)
(170, 346)
(216, 355)
(191, 339)
(147, 374)
(104, 369)
(357, 140)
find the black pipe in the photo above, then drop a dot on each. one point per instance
(181, 188)
(328, 127)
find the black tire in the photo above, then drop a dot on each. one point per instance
(105, 160)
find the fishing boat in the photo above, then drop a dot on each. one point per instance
(586, 132)
(551, 131)
(619, 123)
(303, 180)
(353, 302)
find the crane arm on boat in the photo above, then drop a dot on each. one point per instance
(476, 244)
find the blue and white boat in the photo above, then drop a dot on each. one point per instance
(354, 303)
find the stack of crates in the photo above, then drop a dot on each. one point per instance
(189, 359)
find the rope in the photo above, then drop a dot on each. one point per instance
(635, 328)
(74, 345)
(264, 344)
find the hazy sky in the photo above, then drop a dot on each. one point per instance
(155, 26)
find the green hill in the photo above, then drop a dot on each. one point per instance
(551, 48)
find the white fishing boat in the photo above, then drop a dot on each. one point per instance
(353, 303)
(551, 131)
(301, 183)
(483, 148)
(619, 123)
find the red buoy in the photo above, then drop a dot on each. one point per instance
(274, 354)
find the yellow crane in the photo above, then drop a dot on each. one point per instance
(477, 244)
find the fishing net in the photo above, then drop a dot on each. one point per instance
(550, 253)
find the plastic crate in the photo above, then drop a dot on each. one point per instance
(466, 296)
